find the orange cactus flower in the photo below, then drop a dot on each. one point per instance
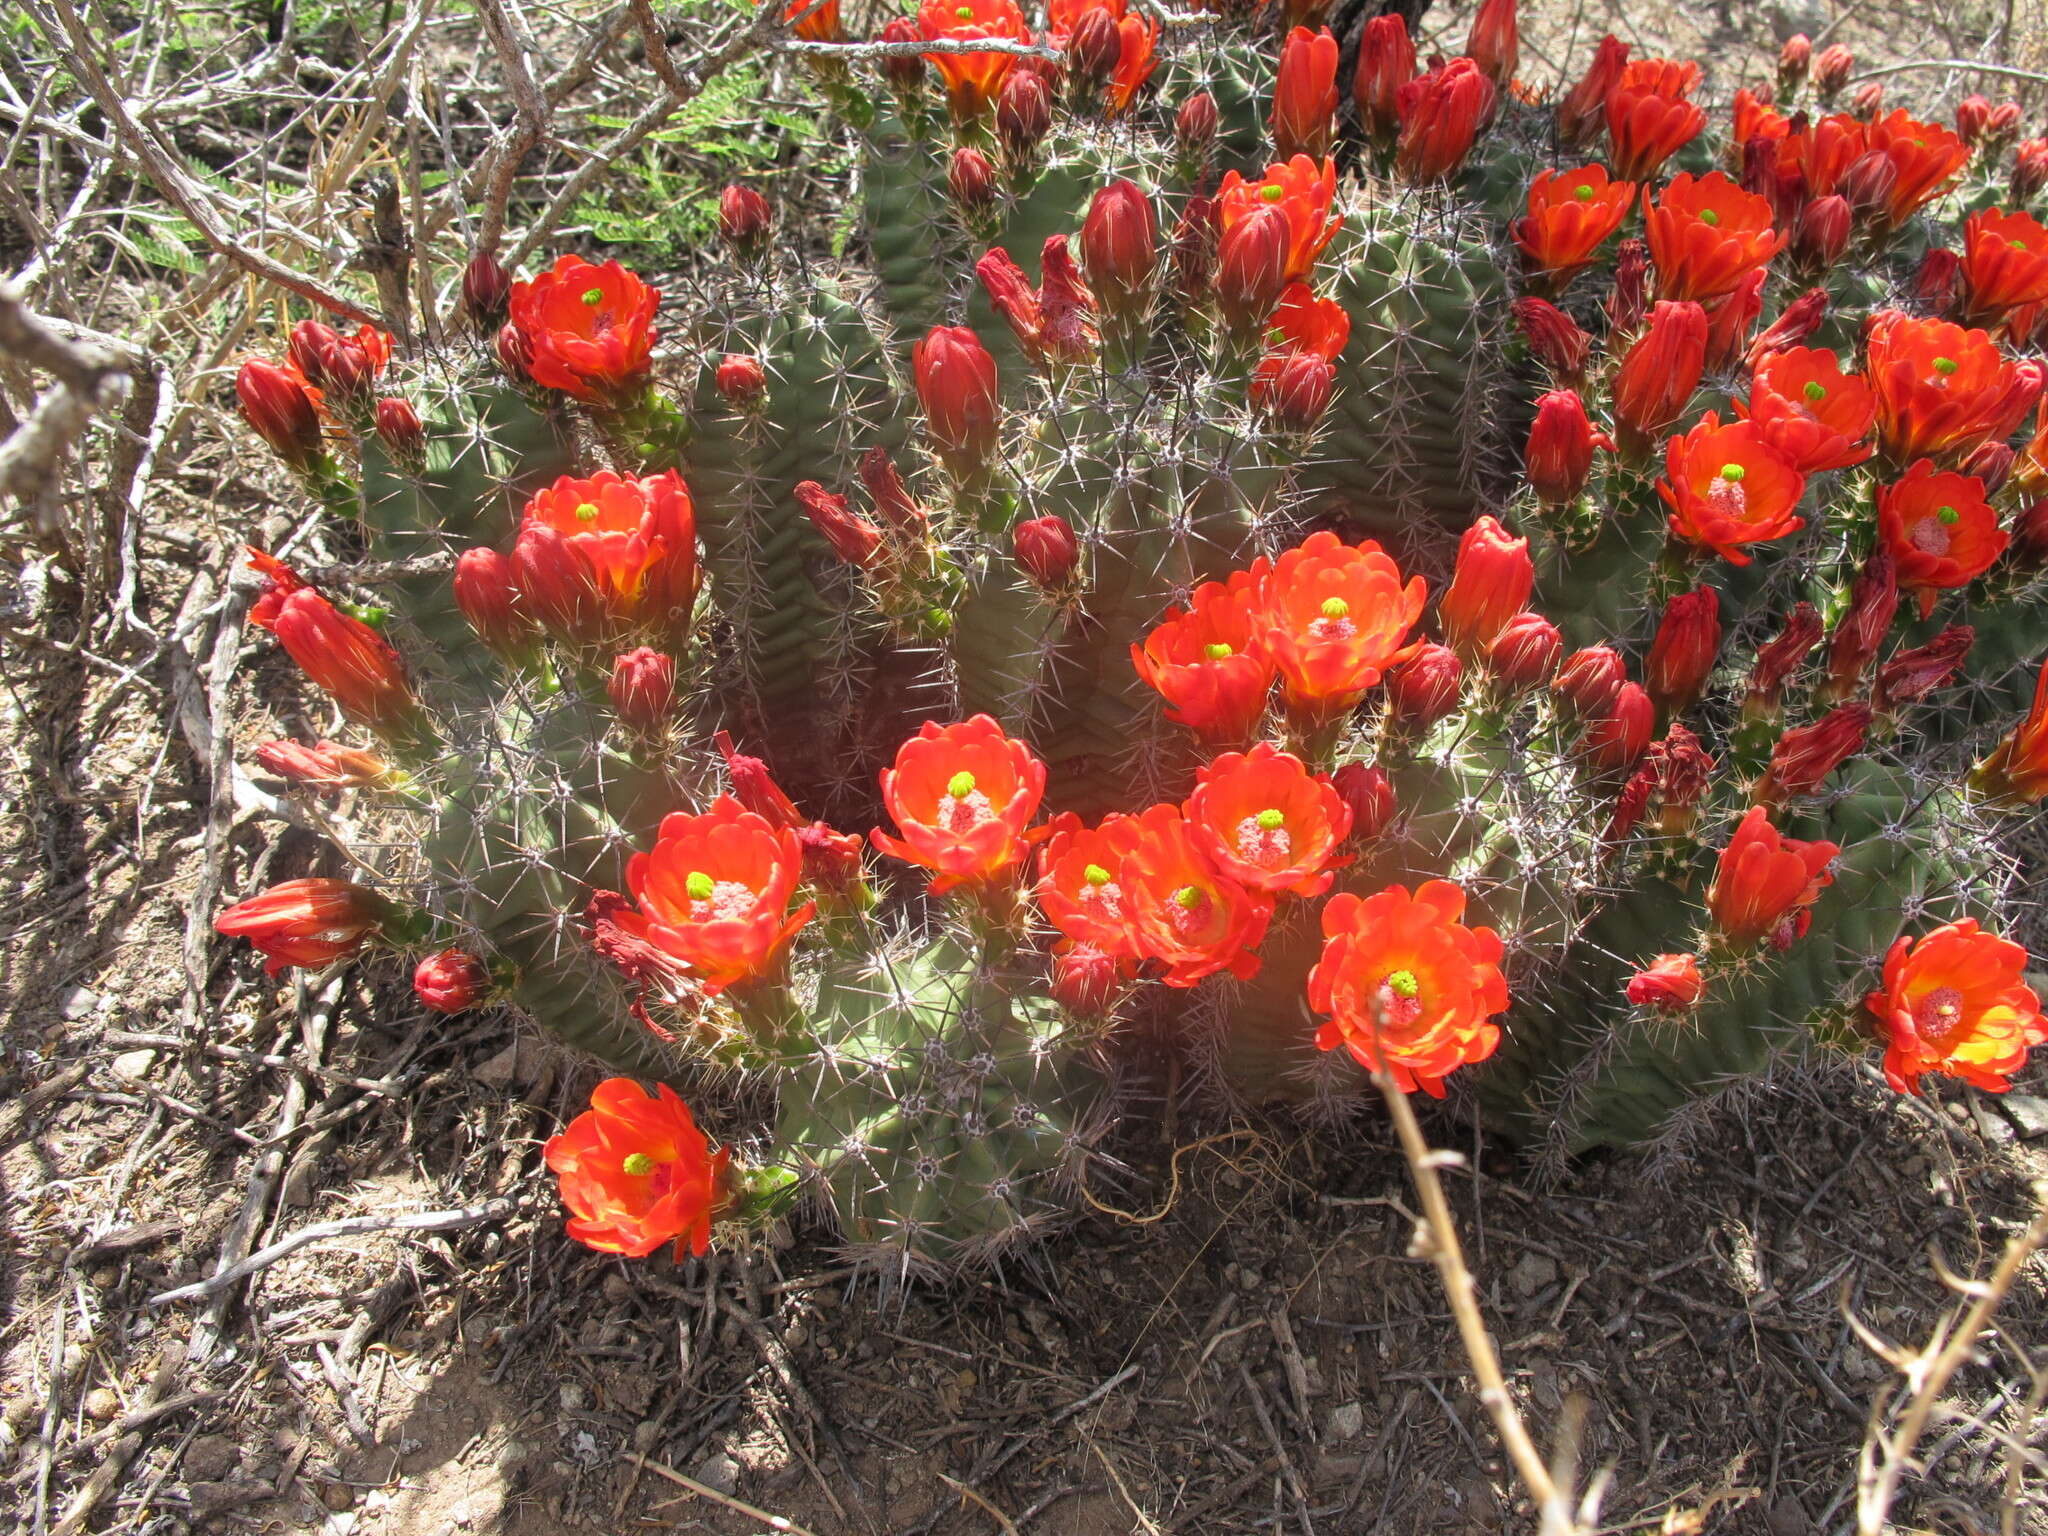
(1335, 618)
(2005, 263)
(1670, 984)
(1727, 488)
(1185, 913)
(1303, 189)
(714, 893)
(1268, 823)
(346, 659)
(1924, 159)
(310, 923)
(636, 1171)
(1707, 235)
(1080, 881)
(1490, 585)
(961, 796)
(1137, 56)
(633, 541)
(1570, 213)
(1661, 370)
(1407, 984)
(1302, 325)
(1943, 392)
(1766, 882)
(1305, 94)
(1756, 118)
(1955, 1003)
(1441, 113)
(1816, 416)
(1943, 534)
(1823, 152)
(1650, 114)
(820, 26)
(589, 330)
(971, 78)
(2016, 772)
(1207, 660)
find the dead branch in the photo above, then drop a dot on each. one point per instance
(88, 379)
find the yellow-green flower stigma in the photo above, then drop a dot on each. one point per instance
(1336, 608)
(1095, 874)
(1273, 194)
(593, 297)
(1583, 193)
(1218, 651)
(1948, 515)
(638, 1164)
(1944, 365)
(1814, 391)
(700, 886)
(965, 12)
(1188, 897)
(586, 512)
(1272, 820)
(1733, 472)
(1710, 218)
(1403, 984)
(961, 785)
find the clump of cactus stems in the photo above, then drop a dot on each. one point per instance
(1693, 767)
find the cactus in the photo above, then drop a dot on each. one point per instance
(1210, 771)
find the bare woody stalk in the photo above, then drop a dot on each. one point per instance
(1436, 1237)
(1888, 1455)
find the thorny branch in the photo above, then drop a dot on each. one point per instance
(88, 379)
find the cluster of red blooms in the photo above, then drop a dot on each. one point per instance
(1107, 50)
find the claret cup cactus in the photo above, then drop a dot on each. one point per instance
(946, 666)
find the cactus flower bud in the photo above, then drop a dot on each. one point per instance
(1525, 654)
(643, 689)
(1795, 58)
(972, 182)
(399, 430)
(1779, 659)
(1868, 101)
(1094, 48)
(1973, 112)
(1728, 324)
(1669, 983)
(1490, 585)
(891, 497)
(1424, 689)
(2030, 537)
(451, 981)
(1873, 600)
(308, 348)
(1588, 681)
(1616, 740)
(344, 657)
(903, 71)
(1579, 113)
(325, 765)
(1683, 652)
(755, 787)
(1868, 183)
(1305, 97)
(854, 539)
(1822, 233)
(1441, 113)
(1296, 393)
(1559, 456)
(1369, 795)
(279, 409)
(1911, 676)
(1194, 249)
(741, 380)
(489, 598)
(2029, 170)
(1936, 281)
(1194, 128)
(312, 922)
(1494, 43)
(1992, 464)
(744, 219)
(1047, 552)
(1251, 268)
(1386, 62)
(1023, 115)
(1807, 754)
(1086, 979)
(956, 385)
(1118, 241)
(1556, 339)
(515, 355)
(833, 864)
(486, 293)
(1659, 373)
(1629, 299)
(1797, 321)
(1831, 71)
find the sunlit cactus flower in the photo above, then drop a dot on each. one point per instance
(1955, 1004)
(1942, 532)
(1570, 214)
(1441, 114)
(1185, 913)
(1080, 881)
(282, 409)
(636, 1172)
(1728, 489)
(1706, 235)
(1923, 159)
(1651, 114)
(1209, 660)
(344, 657)
(1582, 109)
(2016, 772)
(962, 797)
(1268, 823)
(972, 79)
(1816, 416)
(1386, 62)
(311, 922)
(1489, 586)
(1669, 983)
(2005, 263)
(1407, 985)
(634, 542)
(1766, 883)
(588, 330)
(1303, 189)
(1943, 391)
(1661, 368)
(1305, 94)
(1336, 616)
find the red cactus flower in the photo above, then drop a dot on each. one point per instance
(1820, 153)
(1942, 391)
(2016, 772)
(1386, 62)
(1661, 370)
(1814, 415)
(1137, 57)
(714, 893)
(310, 923)
(1119, 244)
(1303, 189)
(1727, 489)
(1924, 159)
(642, 688)
(635, 1172)
(1650, 115)
(1080, 874)
(1494, 43)
(1955, 1002)
(1055, 324)
(344, 657)
(1186, 914)
(451, 981)
(1669, 983)
(1301, 326)
(1581, 111)
(1805, 755)
(488, 594)
(1368, 794)
(1336, 617)
(956, 385)
(1681, 656)
(1941, 531)
(1305, 94)
(962, 796)
(1408, 986)
(1911, 675)
(815, 21)
(1615, 741)
(972, 79)
(1490, 585)
(1208, 660)
(342, 366)
(1441, 113)
(1046, 551)
(1559, 456)
(1765, 881)
(2005, 263)
(588, 330)
(1755, 119)
(1268, 823)
(634, 543)
(1706, 235)
(1570, 214)
(1730, 320)
(325, 765)
(1525, 654)
(854, 539)
(280, 408)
